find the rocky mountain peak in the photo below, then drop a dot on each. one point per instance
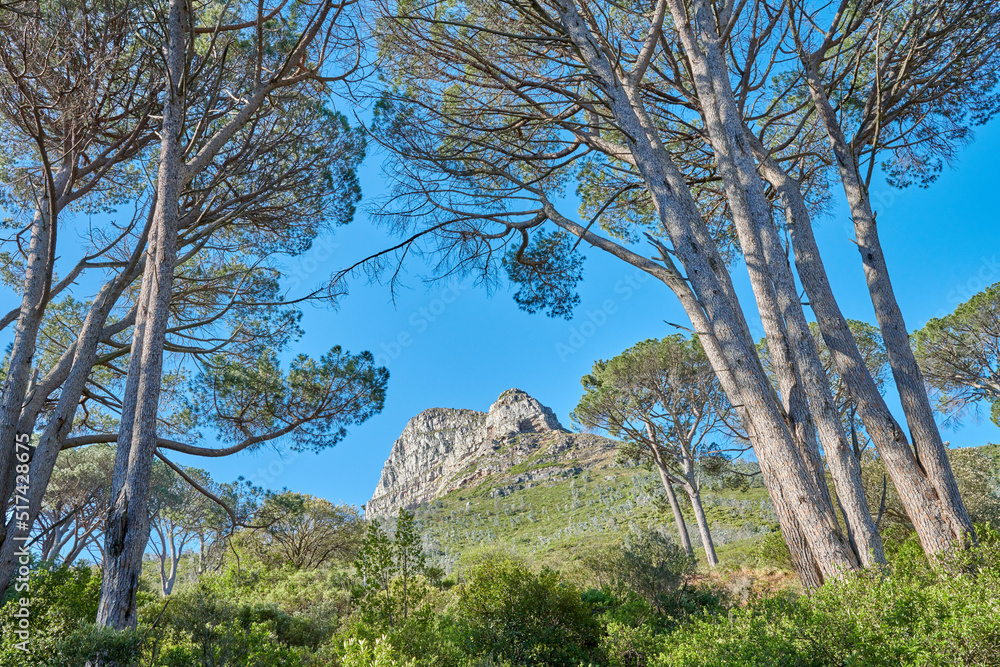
(517, 412)
(444, 449)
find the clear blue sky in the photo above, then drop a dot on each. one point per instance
(462, 348)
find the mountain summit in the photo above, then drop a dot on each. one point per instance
(518, 443)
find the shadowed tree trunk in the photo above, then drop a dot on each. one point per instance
(128, 532)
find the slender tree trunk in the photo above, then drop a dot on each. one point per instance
(47, 544)
(699, 515)
(173, 556)
(668, 488)
(792, 347)
(929, 449)
(127, 532)
(682, 530)
(80, 544)
(35, 294)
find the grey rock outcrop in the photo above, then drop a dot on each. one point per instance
(443, 449)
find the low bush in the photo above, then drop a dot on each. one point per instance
(911, 614)
(509, 612)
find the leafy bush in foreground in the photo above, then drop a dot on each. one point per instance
(915, 614)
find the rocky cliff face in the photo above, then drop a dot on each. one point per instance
(518, 442)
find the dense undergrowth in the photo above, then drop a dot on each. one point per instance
(647, 608)
(468, 584)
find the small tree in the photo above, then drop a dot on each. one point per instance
(959, 355)
(389, 567)
(180, 514)
(376, 566)
(305, 532)
(663, 399)
(410, 557)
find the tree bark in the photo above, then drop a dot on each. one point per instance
(794, 356)
(127, 530)
(929, 449)
(924, 504)
(803, 559)
(35, 294)
(706, 535)
(682, 530)
(668, 488)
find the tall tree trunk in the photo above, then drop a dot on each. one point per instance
(127, 530)
(790, 343)
(922, 502)
(61, 420)
(682, 530)
(779, 460)
(35, 294)
(804, 560)
(668, 488)
(928, 447)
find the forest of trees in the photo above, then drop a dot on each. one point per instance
(190, 148)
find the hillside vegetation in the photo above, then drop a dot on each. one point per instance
(555, 522)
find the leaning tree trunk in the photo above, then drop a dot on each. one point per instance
(929, 449)
(171, 556)
(781, 464)
(706, 534)
(791, 345)
(127, 530)
(668, 489)
(804, 560)
(927, 508)
(35, 293)
(60, 423)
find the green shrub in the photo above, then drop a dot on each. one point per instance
(229, 644)
(914, 614)
(508, 612)
(628, 646)
(200, 627)
(62, 634)
(771, 550)
(649, 564)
